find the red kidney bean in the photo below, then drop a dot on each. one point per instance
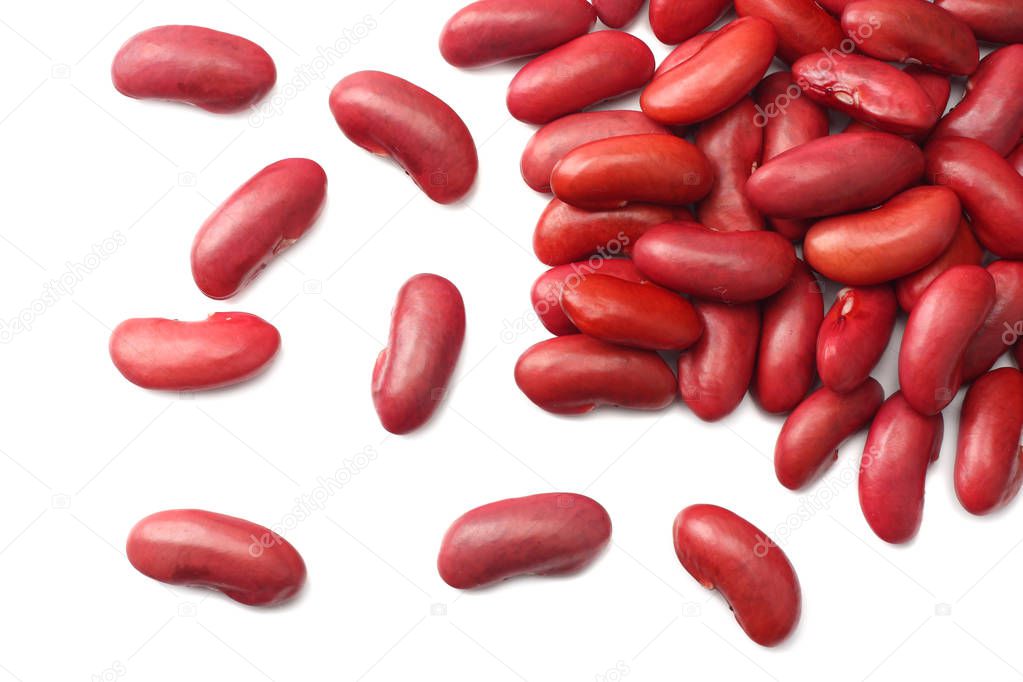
(617, 13)
(964, 250)
(389, 116)
(411, 375)
(1003, 325)
(987, 470)
(546, 292)
(939, 329)
(732, 144)
(802, 26)
(999, 21)
(590, 69)
(550, 144)
(574, 374)
(734, 267)
(991, 110)
(684, 51)
(634, 314)
(714, 375)
(900, 447)
(788, 342)
(937, 86)
(835, 174)
(809, 440)
(1015, 159)
(565, 233)
(900, 237)
(989, 188)
(659, 169)
(854, 335)
(721, 73)
(912, 31)
(868, 90)
(673, 21)
(247, 562)
(492, 31)
(171, 355)
(262, 218)
(725, 552)
(215, 71)
(547, 534)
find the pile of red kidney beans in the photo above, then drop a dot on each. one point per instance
(671, 233)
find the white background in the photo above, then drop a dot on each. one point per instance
(85, 453)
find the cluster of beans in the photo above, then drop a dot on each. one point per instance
(672, 233)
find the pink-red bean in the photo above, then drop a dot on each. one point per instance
(998, 21)
(964, 250)
(617, 13)
(854, 335)
(1003, 325)
(684, 51)
(673, 21)
(732, 143)
(546, 291)
(802, 26)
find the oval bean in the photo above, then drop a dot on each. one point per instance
(1003, 325)
(732, 144)
(854, 335)
(617, 13)
(998, 21)
(964, 250)
(546, 292)
(802, 26)
(673, 22)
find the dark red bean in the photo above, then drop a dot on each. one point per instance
(684, 51)
(964, 250)
(1003, 325)
(854, 335)
(834, 6)
(802, 26)
(732, 144)
(673, 21)
(999, 21)
(617, 13)
(546, 292)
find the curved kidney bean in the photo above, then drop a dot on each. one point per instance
(634, 314)
(937, 86)
(999, 21)
(546, 292)
(912, 31)
(673, 21)
(389, 116)
(802, 26)
(900, 447)
(854, 335)
(964, 250)
(550, 144)
(659, 169)
(547, 534)
(411, 375)
(1015, 159)
(1002, 327)
(684, 51)
(939, 329)
(492, 31)
(868, 90)
(714, 375)
(725, 552)
(565, 233)
(835, 174)
(734, 267)
(900, 237)
(987, 470)
(721, 73)
(989, 188)
(991, 110)
(590, 69)
(809, 440)
(171, 355)
(732, 144)
(247, 562)
(215, 71)
(788, 341)
(617, 13)
(263, 217)
(574, 374)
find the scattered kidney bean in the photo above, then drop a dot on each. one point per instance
(964, 250)
(247, 562)
(546, 292)
(725, 552)
(854, 335)
(684, 51)
(802, 26)
(998, 21)
(574, 374)
(809, 440)
(617, 13)
(1003, 325)
(215, 71)
(987, 469)
(590, 69)
(491, 31)
(732, 144)
(547, 534)
(673, 21)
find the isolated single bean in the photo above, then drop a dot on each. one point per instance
(940, 328)
(389, 116)
(574, 374)
(734, 267)
(854, 335)
(492, 31)
(215, 71)
(546, 534)
(725, 552)
(809, 440)
(673, 21)
(998, 21)
(261, 219)
(900, 447)
(684, 51)
(617, 13)
(172, 355)
(247, 562)
(546, 291)
(964, 250)
(802, 26)
(988, 470)
(732, 143)
(1003, 326)
(610, 173)
(590, 69)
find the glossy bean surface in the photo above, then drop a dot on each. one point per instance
(964, 250)
(547, 290)
(1003, 325)
(617, 13)
(854, 335)
(802, 26)
(673, 22)
(733, 144)
(997, 21)
(684, 51)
